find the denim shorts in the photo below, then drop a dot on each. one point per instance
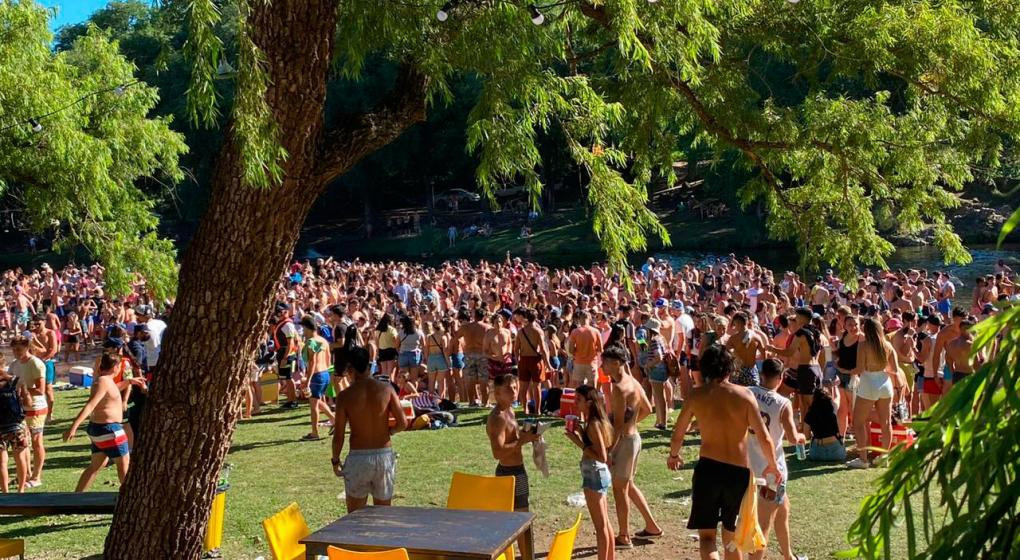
(437, 362)
(409, 359)
(659, 374)
(595, 476)
(831, 452)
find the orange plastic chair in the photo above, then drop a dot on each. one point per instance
(485, 493)
(284, 530)
(344, 554)
(562, 547)
(11, 548)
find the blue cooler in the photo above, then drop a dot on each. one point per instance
(81, 376)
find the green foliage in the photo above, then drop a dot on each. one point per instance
(76, 175)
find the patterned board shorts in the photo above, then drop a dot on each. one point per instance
(15, 440)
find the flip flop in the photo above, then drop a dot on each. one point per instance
(310, 437)
(646, 535)
(621, 545)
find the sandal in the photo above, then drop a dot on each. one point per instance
(310, 437)
(646, 535)
(623, 545)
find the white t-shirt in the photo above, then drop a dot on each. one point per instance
(771, 405)
(28, 373)
(155, 342)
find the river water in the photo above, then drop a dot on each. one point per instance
(985, 257)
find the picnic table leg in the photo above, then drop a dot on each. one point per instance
(528, 545)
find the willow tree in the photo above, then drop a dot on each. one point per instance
(895, 102)
(74, 138)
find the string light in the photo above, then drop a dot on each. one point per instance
(444, 13)
(35, 122)
(537, 17)
(224, 68)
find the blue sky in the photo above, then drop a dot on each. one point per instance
(72, 11)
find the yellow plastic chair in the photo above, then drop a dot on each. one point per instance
(343, 554)
(284, 530)
(562, 547)
(485, 493)
(10, 548)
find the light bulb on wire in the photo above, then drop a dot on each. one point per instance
(224, 67)
(537, 17)
(118, 91)
(36, 125)
(444, 13)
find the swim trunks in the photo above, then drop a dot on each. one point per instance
(108, 439)
(498, 367)
(317, 384)
(748, 377)
(529, 369)
(522, 491)
(35, 417)
(476, 366)
(718, 489)
(369, 471)
(625, 456)
(809, 378)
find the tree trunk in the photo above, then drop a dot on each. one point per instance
(228, 277)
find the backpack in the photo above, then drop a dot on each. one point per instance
(11, 411)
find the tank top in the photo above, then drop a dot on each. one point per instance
(771, 405)
(847, 355)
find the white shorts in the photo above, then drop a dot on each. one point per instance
(875, 385)
(582, 373)
(369, 471)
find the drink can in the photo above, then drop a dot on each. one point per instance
(571, 423)
(801, 454)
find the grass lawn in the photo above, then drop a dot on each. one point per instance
(272, 468)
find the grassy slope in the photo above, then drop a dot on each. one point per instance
(272, 468)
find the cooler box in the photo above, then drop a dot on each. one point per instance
(567, 403)
(81, 376)
(270, 385)
(408, 414)
(901, 435)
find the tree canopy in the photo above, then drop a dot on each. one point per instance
(75, 139)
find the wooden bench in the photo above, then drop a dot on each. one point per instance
(58, 503)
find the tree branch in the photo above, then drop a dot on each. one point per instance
(359, 135)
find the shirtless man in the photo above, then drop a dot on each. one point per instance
(725, 413)
(506, 440)
(930, 378)
(45, 345)
(945, 336)
(31, 374)
(476, 366)
(958, 353)
(105, 410)
(367, 405)
(819, 298)
(630, 406)
(318, 358)
(497, 346)
(803, 358)
(532, 357)
(745, 344)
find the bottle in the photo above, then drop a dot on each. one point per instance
(801, 454)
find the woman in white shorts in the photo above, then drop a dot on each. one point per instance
(875, 358)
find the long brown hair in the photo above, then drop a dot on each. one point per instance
(596, 411)
(874, 337)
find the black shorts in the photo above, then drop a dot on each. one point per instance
(693, 363)
(521, 487)
(804, 379)
(286, 367)
(819, 309)
(387, 355)
(718, 489)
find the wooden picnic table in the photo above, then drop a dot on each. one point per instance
(427, 533)
(57, 503)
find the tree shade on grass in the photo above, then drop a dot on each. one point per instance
(898, 100)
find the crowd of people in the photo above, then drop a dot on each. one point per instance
(731, 344)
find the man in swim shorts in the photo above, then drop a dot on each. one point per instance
(802, 354)
(316, 354)
(476, 366)
(105, 410)
(725, 413)
(532, 356)
(368, 405)
(31, 374)
(745, 344)
(506, 439)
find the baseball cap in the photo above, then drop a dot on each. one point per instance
(893, 324)
(653, 325)
(660, 302)
(678, 305)
(141, 327)
(144, 310)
